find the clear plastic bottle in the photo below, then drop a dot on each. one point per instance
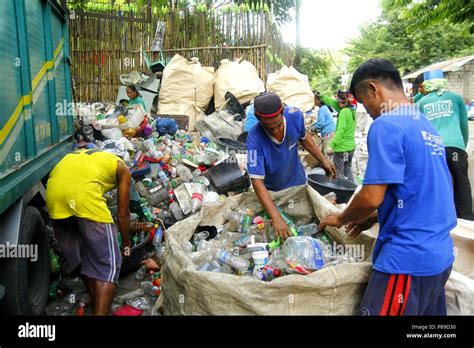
(157, 197)
(141, 273)
(184, 173)
(196, 200)
(308, 230)
(205, 267)
(233, 216)
(164, 178)
(196, 174)
(310, 253)
(141, 189)
(228, 259)
(176, 211)
(187, 247)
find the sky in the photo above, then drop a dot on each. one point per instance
(328, 24)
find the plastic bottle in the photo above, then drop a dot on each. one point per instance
(308, 230)
(141, 189)
(164, 178)
(157, 197)
(157, 239)
(247, 221)
(205, 267)
(141, 273)
(310, 253)
(176, 211)
(187, 247)
(249, 250)
(271, 273)
(233, 216)
(81, 309)
(184, 173)
(138, 226)
(196, 199)
(228, 259)
(148, 214)
(286, 218)
(162, 214)
(196, 174)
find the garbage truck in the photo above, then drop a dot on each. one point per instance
(36, 131)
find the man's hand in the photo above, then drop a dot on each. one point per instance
(357, 227)
(333, 220)
(280, 228)
(329, 168)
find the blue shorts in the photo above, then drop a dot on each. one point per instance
(402, 294)
(91, 245)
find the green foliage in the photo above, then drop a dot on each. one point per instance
(400, 36)
(322, 73)
(281, 8)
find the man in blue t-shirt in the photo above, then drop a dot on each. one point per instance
(407, 188)
(272, 153)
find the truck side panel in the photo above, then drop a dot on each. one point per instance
(36, 121)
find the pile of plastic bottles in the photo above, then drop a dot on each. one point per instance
(247, 246)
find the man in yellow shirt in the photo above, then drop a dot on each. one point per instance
(83, 224)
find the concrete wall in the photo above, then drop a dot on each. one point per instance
(462, 82)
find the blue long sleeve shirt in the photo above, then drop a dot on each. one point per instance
(325, 123)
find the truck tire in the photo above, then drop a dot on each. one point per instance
(27, 282)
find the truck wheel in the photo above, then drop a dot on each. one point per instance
(27, 280)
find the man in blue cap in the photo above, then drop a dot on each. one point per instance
(272, 153)
(447, 113)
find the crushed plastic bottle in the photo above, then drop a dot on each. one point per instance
(310, 253)
(228, 259)
(176, 211)
(184, 173)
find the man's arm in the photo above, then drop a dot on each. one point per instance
(331, 102)
(362, 207)
(279, 225)
(309, 144)
(123, 188)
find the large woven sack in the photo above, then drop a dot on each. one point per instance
(186, 86)
(335, 290)
(292, 87)
(239, 78)
(460, 286)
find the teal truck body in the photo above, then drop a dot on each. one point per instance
(36, 130)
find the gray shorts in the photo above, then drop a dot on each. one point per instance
(91, 245)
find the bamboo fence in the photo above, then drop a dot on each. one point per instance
(106, 44)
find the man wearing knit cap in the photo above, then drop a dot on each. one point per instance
(272, 148)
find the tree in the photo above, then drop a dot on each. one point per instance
(428, 12)
(281, 8)
(323, 73)
(407, 44)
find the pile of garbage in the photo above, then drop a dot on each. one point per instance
(247, 246)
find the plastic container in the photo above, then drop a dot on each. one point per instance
(227, 177)
(260, 258)
(227, 145)
(308, 252)
(344, 189)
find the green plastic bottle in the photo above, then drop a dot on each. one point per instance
(54, 261)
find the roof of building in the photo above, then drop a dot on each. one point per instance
(454, 64)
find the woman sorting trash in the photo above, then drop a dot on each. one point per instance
(134, 96)
(343, 143)
(325, 124)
